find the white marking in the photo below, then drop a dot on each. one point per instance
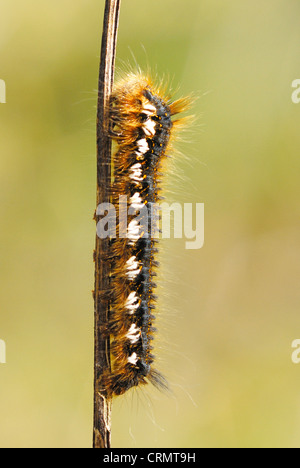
(134, 230)
(2, 352)
(133, 274)
(134, 334)
(149, 127)
(132, 303)
(133, 359)
(136, 198)
(132, 263)
(137, 173)
(149, 109)
(143, 146)
(133, 268)
(136, 166)
(136, 201)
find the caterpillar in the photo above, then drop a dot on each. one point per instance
(142, 127)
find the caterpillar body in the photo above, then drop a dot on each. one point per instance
(142, 126)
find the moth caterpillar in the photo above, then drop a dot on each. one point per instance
(142, 126)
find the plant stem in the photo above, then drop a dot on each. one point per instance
(102, 404)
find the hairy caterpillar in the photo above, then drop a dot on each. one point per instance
(142, 126)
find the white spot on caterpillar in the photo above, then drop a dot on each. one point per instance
(136, 166)
(134, 334)
(132, 263)
(134, 230)
(133, 274)
(149, 109)
(143, 146)
(133, 359)
(149, 127)
(133, 268)
(137, 173)
(132, 303)
(136, 201)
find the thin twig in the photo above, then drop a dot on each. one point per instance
(102, 404)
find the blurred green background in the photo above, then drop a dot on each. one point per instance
(230, 311)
